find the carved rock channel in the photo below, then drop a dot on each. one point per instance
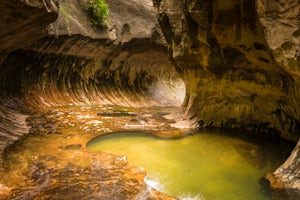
(227, 64)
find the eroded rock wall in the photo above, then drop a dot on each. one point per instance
(46, 62)
(24, 22)
(139, 79)
(52, 56)
(240, 63)
(239, 60)
(77, 63)
(231, 70)
(13, 125)
(280, 23)
(21, 24)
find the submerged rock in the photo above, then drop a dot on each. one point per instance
(276, 189)
(252, 154)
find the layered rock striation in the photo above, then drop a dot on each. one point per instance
(224, 53)
(236, 62)
(52, 56)
(240, 63)
(77, 63)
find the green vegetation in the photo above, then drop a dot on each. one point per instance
(98, 11)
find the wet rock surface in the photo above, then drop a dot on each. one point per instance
(105, 178)
(289, 172)
(236, 63)
(53, 163)
(273, 186)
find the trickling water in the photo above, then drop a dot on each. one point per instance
(205, 165)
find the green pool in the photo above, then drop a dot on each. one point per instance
(206, 165)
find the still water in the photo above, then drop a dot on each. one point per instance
(204, 165)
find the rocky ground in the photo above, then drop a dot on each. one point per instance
(237, 60)
(53, 162)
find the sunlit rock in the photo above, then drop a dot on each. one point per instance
(227, 64)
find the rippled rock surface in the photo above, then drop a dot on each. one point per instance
(233, 64)
(225, 53)
(53, 162)
(240, 64)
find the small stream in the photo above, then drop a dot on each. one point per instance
(204, 165)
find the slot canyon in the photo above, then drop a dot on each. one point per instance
(164, 67)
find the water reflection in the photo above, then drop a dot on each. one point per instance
(204, 165)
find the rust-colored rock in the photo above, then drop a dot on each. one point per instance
(53, 162)
(274, 182)
(239, 61)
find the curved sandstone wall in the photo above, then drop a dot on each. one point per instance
(234, 73)
(240, 63)
(236, 62)
(52, 56)
(125, 64)
(127, 78)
